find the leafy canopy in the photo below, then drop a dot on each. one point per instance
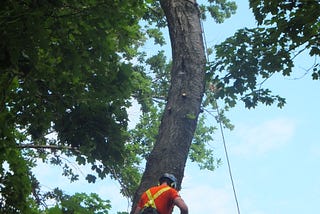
(66, 80)
(246, 60)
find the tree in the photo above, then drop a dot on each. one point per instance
(78, 203)
(180, 116)
(241, 63)
(65, 69)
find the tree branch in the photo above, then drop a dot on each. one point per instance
(33, 146)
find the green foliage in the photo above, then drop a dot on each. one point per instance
(143, 136)
(65, 69)
(79, 203)
(242, 65)
(161, 70)
(154, 15)
(191, 116)
(246, 60)
(152, 102)
(157, 35)
(292, 25)
(200, 151)
(15, 184)
(219, 10)
(316, 72)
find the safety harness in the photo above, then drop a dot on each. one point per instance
(151, 198)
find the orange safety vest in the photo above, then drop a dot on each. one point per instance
(151, 197)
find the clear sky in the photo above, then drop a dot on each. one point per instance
(274, 153)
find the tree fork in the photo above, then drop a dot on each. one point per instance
(180, 117)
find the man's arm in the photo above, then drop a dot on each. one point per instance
(179, 202)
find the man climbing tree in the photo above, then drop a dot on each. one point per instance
(162, 198)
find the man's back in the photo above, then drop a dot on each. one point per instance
(165, 196)
(164, 202)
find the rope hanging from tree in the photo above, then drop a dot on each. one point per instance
(221, 128)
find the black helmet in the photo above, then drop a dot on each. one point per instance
(172, 179)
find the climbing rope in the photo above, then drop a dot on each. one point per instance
(228, 161)
(221, 126)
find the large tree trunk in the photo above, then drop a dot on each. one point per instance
(179, 120)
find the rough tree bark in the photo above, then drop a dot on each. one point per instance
(183, 105)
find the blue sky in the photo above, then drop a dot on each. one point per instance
(274, 153)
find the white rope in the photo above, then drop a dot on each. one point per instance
(221, 129)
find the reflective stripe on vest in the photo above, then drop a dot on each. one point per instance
(152, 198)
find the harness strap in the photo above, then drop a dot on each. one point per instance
(156, 195)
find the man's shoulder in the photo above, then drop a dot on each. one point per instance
(160, 187)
